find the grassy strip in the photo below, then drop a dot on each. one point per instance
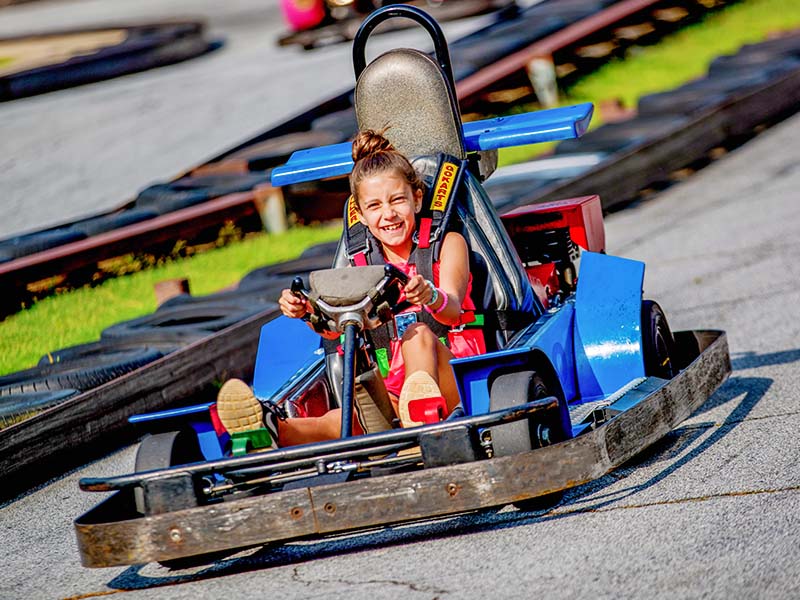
(676, 59)
(79, 316)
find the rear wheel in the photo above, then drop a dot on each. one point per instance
(514, 389)
(160, 451)
(658, 343)
(164, 450)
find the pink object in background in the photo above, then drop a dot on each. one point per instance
(303, 14)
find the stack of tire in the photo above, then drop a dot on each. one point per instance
(126, 346)
(659, 114)
(144, 47)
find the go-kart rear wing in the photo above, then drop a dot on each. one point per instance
(489, 134)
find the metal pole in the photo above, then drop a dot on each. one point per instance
(349, 377)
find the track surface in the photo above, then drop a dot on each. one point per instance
(713, 510)
(89, 149)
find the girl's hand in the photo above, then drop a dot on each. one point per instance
(292, 306)
(418, 291)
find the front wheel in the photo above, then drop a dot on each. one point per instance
(658, 343)
(514, 389)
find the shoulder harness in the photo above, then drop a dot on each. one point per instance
(433, 221)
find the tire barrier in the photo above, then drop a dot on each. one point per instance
(94, 422)
(142, 47)
(17, 405)
(39, 241)
(618, 137)
(188, 191)
(92, 352)
(182, 323)
(112, 221)
(80, 374)
(672, 130)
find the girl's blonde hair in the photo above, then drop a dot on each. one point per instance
(373, 154)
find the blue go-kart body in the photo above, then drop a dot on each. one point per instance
(580, 372)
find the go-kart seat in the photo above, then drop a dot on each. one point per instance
(406, 91)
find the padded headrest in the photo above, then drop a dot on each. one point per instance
(405, 90)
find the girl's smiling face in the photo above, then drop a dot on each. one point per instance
(388, 207)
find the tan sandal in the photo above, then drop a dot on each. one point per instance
(417, 385)
(243, 417)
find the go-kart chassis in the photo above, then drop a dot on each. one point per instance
(113, 533)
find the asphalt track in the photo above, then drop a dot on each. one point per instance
(89, 149)
(711, 511)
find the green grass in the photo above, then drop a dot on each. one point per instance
(80, 315)
(678, 58)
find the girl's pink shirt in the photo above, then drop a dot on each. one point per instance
(467, 342)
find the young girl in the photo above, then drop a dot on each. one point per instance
(388, 194)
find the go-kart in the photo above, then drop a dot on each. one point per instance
(314, 23)
(579, 374)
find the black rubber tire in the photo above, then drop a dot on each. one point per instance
(764, 62)
(14, 405)
(286, 271)
(275, 151)
(160, 451)
(163, 450)
(82, 374)
(658, 343)
(39, 241)
(92, 352)
(342, 124)
(180, 324)
(249, 298)
(514, 389)
(614, 137)
(698, 95)
(325, 249)
(114, 221)
(189, 191)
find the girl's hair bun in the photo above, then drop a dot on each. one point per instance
(369, 142)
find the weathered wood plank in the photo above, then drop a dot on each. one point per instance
(89, 424)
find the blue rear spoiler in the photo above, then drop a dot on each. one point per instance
(516, 130)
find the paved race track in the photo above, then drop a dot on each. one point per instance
(711, 511)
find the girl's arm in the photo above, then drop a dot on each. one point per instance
(453, 278)
(296, 308)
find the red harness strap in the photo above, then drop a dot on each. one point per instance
(424, 235)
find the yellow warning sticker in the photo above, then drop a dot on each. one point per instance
(352, 212)
(444, 186)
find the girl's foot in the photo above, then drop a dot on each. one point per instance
(416, 386)
(243, 415)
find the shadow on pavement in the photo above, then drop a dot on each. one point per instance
(751, 360)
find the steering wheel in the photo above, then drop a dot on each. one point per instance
(365, 296)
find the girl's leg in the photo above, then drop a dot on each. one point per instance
(307, 430)
(422, 351)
